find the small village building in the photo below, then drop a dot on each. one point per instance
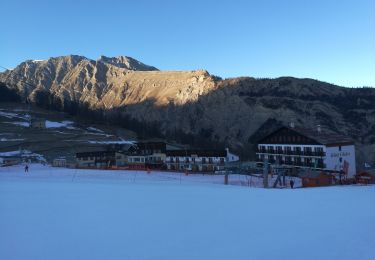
(155, 160)
(136, 161)
(38, 123)
(10, 160)
(150, 155)
(156, 155)
(121, 159)
(316, 179)
(98, 159)
(198, 160)
(59, 162)
(309, 148)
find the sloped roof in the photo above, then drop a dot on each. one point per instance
(96, 153)
(200, 153)
(323, 136)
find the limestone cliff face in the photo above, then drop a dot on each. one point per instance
(193, 106)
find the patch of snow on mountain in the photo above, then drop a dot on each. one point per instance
(25, 154)
(112, 142)
(15, 153)
(14, 115)
(95, 129)
(23, 124)
(53, 124)
(11, 140)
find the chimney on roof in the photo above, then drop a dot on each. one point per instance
(319, 128)
(291, 125)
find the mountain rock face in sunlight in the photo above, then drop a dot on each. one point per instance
(106, 82)
(193, 106)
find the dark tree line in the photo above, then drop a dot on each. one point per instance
(8, 95)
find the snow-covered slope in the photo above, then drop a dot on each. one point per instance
(63, 214)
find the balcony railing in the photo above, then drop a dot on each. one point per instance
(294, 163)
(197, 163)
(291, 152)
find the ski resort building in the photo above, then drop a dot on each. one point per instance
(198, 160)
(149, 155)
(151, 161)
(98, 159)
(10, 160)
(136, 161)
(308, 148)
(59, 162)
(157, 155)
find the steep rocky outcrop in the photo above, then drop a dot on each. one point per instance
(193, 106)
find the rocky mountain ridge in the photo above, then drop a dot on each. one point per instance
(107, 82)
(194, 106)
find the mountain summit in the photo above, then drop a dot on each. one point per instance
(126, 63)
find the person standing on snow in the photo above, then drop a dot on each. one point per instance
(27, 168)
(291, 183)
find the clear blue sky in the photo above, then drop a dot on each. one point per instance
(333, 41)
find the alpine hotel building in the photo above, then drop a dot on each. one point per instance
(309, 148)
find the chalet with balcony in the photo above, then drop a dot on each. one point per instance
(308, 148)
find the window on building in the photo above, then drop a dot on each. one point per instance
(320, 163)
(279, 159)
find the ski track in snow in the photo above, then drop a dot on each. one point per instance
(54, 213)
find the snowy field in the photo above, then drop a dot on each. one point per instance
(67, 214)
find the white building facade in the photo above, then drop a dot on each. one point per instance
(309, 149)
(198, 161)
